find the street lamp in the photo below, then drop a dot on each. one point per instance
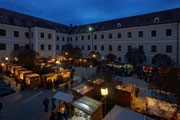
(66, 53)
(104, 93)
(6, 58)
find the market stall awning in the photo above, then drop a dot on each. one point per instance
(125, 87)
(63, 96)
(161, 96)
(82, 89)
(120, 113)
(5, 89)
(87, 104)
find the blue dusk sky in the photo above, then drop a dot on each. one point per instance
(78, 12)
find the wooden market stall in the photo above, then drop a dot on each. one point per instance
(124, 94)
(17, 70)
(22, 74)
(49, 78)
(32, 81)
(121, 113)
(65, 74)
(83, 90)
(13, 68)
(97, 84)
(87, 108)
(161, 104)
(58, 68)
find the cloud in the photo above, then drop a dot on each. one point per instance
(86, 11)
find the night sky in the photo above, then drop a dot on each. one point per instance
(80, 12)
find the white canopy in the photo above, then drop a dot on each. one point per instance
(63, 96)
(120, 113)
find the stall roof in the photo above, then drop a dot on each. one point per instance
(5, 89)
(20, 69)
(26, 71)
(58, 66)
(120, 113)
(87, 104)
(98, 81)
(82, 89)
(125, 87)
(161, 96)
(49, 74)
(63, 96)
(32, 75)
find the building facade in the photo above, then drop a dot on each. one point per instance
(154, 33)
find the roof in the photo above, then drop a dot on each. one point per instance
(22, 20)
(166, 16)
(161, 96)
(18, 19)
(125, 87)
(120, 113)
(32, 75)
(82, 89)
(63, 96)
(25, 71)
(98, 81)
(5, 89)
(87, 104)
(49, 74)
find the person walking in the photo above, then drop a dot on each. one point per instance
(46, 104)
(53, 115)
(53, 103)
(1, 107)
(16, 80)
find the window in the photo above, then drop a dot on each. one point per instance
(49, 36)
(95, 36)
(141, 48)
(63, 38)
(119, 59)
(16, 34)
(27, 46)
(42, 47)
(168, 32)
(110, 36)
(168, 48)
(110, 47)
(16, 46)
(26, 34)
(82, 47)
(119, 35)
(102, 36)
(2, 46)
(76, 38)
(31, 34)
(70, 38)
(42, 35)
(57, 38)
(153, 33)
(129, 47)
(82, 37)
(129, 34)
(140, 33)
(89, 47)
(102, 47)
(153, 48)
(119, 48)
(153, 62)
(49, 47)
(57, 47)
(156, 20)
(118, 25)
(89, 37)
(95, 47)
(2, 32)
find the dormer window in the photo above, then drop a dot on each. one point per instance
(119, 25)
(156, 20)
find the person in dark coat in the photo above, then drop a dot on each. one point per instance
(46, 104)
(53, 103)
(1, 107)
(16, 80)
(53, 115)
